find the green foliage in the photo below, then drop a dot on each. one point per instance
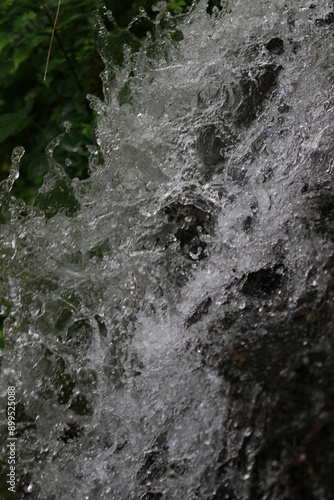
(32, 112)
(2, 340)
(176, 5)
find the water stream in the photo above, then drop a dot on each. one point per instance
(168, 322)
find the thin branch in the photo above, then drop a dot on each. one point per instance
(62, 48)
(51, 40)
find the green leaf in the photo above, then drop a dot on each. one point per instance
(18, 58)
(12, 123)
(5, 4)
(176, 5)
(2, 341)
(4, 40)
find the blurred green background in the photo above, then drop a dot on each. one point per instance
(32, 111)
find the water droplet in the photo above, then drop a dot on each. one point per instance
(17, 154)
(28, 488)
(67, 125)
(275, 464)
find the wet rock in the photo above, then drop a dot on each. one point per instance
(212, 141)
(180, 467)
(63, 319)
(71, 431)
(80, 405)
(324, 207)
(155, 463)
(102, 327)
(189, 225)
(62, 380)
(2, 320)
(213, 4)
(26, 488)
(222, 493)
(283, 108)
(297, 428)
(23, 420)
(263, 282)
(255, 86)
(79, 334)
(243, 100)
(275, 46)
(99, 251)
(328, 20)
(201, 310)
(259, 143)
(151, 496)
(247, 223)
(308, 298)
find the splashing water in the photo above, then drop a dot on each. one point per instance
(168, 321)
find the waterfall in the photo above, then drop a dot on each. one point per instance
(168, 322)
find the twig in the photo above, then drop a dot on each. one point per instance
(62, 48)
(51, 40)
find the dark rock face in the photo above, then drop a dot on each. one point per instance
(296, 442)
(275, 46)
(200, 311)
(188, 225)
(255, 86)
(328, 20)
(70, 432)
(155, 466)
(182, 236)
(245, 99)
(212, 142)
(262, 282)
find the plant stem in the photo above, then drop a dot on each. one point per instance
(51, 40)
